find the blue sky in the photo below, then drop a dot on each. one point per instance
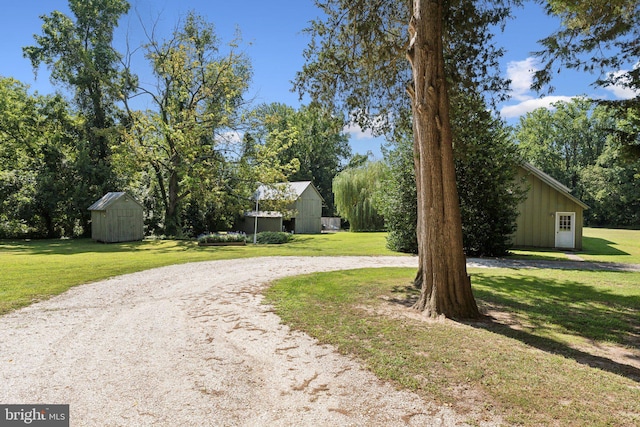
(272, 33)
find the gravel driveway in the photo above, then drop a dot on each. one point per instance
(191, 345)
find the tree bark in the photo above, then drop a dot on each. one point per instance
(446, 287)
(172, 213)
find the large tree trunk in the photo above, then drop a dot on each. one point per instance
(172, 213)
(445, 285)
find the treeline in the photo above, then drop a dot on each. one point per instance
(189, 146)
(592, 149)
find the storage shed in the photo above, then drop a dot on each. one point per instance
(267, 221)
(117, 217)
(307, 207)
(549, 217)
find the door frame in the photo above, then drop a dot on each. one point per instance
(572, 229)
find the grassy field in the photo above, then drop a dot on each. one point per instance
(599, 244)
(544, 358)
(602, 244)
(33, 270)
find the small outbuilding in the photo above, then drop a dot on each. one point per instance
(117, 217)
(549, 217)
(306, 208)
(266, 221)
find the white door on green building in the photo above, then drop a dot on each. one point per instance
(566, 230)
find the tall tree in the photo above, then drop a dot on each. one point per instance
(36, 157)
(197, 96)
(320, 146)
(80, 55)
(355, 192)
(357, 58)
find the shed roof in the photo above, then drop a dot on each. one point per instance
(109, 199)
(553, 183)
(263, 214)
(296, 188)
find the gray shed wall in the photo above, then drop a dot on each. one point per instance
(264, 224)
(309, 212)
(121, 221)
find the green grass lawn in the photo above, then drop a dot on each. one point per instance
(537, 363)
(598, 244)
(610, 245)
(37, 269)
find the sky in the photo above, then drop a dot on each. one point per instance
(273, 38)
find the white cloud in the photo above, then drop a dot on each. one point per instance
(521, 75)
(511, 111)
(622, 92)
(356, 132)
(619, 90)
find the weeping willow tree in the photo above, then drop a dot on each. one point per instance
(354, 191)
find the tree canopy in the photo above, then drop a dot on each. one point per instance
(583, 145)
(78, 51)
(318, 143)
(37, 174)
(598, 36)
(197, 96)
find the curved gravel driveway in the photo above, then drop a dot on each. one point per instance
(191, 345)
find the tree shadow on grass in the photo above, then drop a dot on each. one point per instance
(597, 246)
(551, 346)
(535, 308)
(543, 307)
(86, 245)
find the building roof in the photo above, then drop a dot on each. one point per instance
(263, 214)
(547, 179)
(109, 199)
(280, 189)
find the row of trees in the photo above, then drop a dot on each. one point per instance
(193, 153)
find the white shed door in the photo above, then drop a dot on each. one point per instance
(566, 230)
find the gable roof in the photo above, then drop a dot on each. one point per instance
(550, 181)
(109, 199)
(296, 188)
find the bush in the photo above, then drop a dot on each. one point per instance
(222, 238)
(273, 237)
